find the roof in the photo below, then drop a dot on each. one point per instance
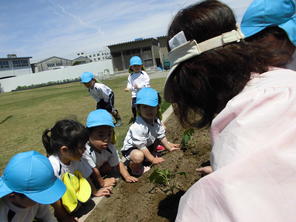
(15, 58)
(53, 57)
(132, 42)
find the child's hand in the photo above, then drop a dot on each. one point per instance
(157, 160)
(174, 147)
(105, 191)
(109, 182)
(131, 179)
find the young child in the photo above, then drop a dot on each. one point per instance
(65, 145)
(102, 94)
(27, 186)
(146, 133)
(137, 79)
(101, 153)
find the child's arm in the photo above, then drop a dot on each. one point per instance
(124, 173)
(150, 157)
(169, 146)
(61, 214)
(96, 176)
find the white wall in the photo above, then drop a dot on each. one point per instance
(100, 70)
(15, 72)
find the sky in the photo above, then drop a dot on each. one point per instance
(45, 28)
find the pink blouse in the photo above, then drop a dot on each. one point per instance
(253, 155)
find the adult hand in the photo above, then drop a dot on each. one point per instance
(205, 170)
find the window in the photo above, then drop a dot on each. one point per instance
(4, 65)
(20, 63)
(50, 65)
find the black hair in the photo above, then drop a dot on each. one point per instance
(65, 132)
(204, 84)
(275, 38)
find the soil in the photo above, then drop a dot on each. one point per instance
(144, 201)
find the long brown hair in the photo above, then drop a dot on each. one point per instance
(205, 83)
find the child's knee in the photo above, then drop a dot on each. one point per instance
(137, 156)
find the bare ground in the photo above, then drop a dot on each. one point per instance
(143, 201)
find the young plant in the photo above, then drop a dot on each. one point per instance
(163, 177)
(186, 137)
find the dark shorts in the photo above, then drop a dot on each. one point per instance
(109, 106)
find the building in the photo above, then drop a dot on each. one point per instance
(96, 56)
(80, 60)
(52, 63)
(14, 66)
(152, 51)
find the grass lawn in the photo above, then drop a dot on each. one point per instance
(24, 115)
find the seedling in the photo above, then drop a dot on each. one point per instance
(163, 178)
(186, 137)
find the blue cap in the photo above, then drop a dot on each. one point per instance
(136, 60)
(31, 174)
(147, 96)
(262, 13)
(86, 77)
(99, 117)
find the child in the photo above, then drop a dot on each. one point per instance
(101, 153)
(136, 80)
(221, 81)
(102, 94)
(27, 186)
(65, 144)
(146, 133)
(270, 28)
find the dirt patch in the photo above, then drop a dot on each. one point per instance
(143, 201)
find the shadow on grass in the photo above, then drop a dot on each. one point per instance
(168, 207)
(7, 118)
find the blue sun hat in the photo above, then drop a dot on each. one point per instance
(99, 117)
(86, 77)
(262, 13)
(147, 96)
(135, 60)
(30, 173)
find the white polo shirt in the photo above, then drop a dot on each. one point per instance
(98, 158)
(11, 213)
(100, 91)
(137, 81)
(142, 134)
(60, 168)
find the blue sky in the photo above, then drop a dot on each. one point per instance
(44, 28)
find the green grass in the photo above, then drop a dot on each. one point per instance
(24, 115)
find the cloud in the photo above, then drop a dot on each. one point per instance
(61, 28)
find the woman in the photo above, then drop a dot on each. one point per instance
(220, 80)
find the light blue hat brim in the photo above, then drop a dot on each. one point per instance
(290, 28)
(4, 190)
(47, 196)
(50, 195)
